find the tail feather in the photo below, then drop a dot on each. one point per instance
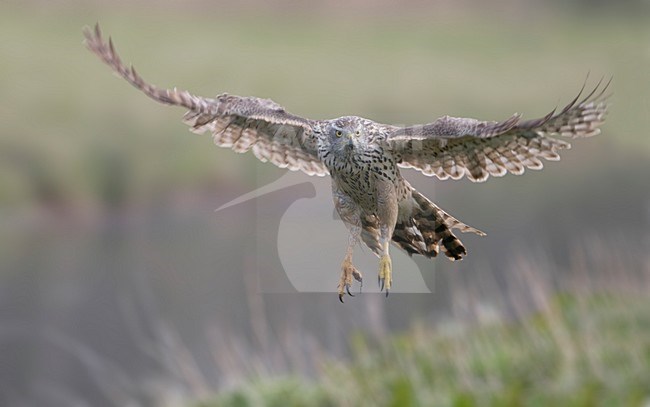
(427, 229)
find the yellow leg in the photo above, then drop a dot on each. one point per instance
(348, 272)
(385, 273)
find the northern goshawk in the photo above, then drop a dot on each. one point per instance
(363, 158)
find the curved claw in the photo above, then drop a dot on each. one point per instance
(357, 275)
(341, 298)
(348, 274)
(385, 273)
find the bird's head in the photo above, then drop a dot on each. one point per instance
(345, 133)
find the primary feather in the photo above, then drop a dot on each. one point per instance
(240, 123)
(454, 147)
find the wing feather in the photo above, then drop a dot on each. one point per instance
(240, 123)
(452, 147)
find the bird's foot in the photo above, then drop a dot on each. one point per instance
(385, 277)
(347, 274)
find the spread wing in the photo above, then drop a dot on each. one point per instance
(239, 123)
(452, 147)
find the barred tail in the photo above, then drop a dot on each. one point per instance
(426, 228)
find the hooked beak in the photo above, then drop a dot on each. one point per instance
(350, 143)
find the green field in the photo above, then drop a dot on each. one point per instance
(592, 351)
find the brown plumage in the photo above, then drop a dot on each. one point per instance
(429, 228)
(364, 157)
(454, 147)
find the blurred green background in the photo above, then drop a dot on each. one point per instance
(119, 285)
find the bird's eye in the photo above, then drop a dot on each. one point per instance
(357, 132)
(338, 133)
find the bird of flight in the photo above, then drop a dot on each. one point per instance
(363, 158)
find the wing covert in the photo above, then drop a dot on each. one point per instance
(240, 123)
(456, 147)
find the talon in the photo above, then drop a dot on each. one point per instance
(385, 273)
(357, 276)
(387, 292)
(348, 274)
(341, 298)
